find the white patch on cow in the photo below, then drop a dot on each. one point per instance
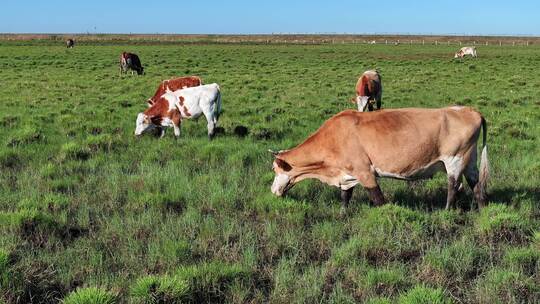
(453, 165)
(140, 125)
(281, 181)
(362, 102)
(172, 99)
(456, 108)
(167, 122)
(347, 182)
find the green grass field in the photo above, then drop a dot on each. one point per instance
(91, 214)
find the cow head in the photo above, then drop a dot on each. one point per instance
(284, 179)
(362, 102)
(458, 55)
(140, 71)
(143, 124)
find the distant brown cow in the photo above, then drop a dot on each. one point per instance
(171, 85)
(70, 43)
(368, 91)
(130, 61)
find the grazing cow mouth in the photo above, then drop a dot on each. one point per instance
(282, 183)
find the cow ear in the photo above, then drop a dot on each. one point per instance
(283, 164)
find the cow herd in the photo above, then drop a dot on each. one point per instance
(354, 147)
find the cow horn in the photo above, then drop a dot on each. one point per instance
(273, 152)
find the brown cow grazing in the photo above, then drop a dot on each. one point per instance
(174, 84)
(130, 61)
(356, 148)
(70, 43)
(368, 91)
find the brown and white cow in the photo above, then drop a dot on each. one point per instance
(172, 107)
(130, 61)
(368, 91)
(357, 148)
(174, 84)
(466, 50)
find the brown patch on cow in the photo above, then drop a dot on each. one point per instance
(182, 100)
(156, 120)
(175, 116)
(362, 86)
(160, 107)
(176, 84)
(283, 164)
(186, 112)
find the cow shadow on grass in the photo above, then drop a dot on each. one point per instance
(418, 197)
(512, 195)
(435, 199)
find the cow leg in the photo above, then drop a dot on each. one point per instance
(345, 198)
(376, 196)
(472, 175)
(209, 114)
(369, 182)
(370, 107)
(176, 119)
(454, 169)
(211, 129)
(453, 186)
(176, 128)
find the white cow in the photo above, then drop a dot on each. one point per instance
(466, 50)
(173, 106)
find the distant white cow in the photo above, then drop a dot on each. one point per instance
(172, 107)
(467, 50)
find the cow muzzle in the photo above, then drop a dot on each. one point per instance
(282, 183)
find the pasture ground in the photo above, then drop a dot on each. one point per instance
(90, 213)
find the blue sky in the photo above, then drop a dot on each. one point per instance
(278, 16)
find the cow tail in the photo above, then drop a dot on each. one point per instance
(484, 166)
(217, 108)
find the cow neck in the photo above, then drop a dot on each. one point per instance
(304, 159)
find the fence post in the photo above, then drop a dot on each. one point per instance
(527, 43)
(436, 42)
(486, 43)
(513, 43)
(500, 43)
(423, 42)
